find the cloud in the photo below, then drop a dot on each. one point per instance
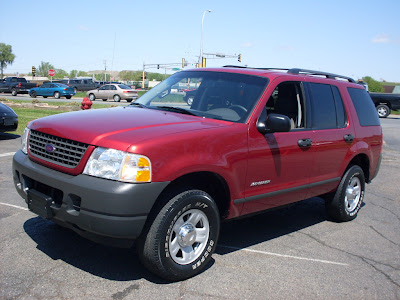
(247, 45)
(83, 28)
(382, 38)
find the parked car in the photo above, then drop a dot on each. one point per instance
(165, 174)
(15, 85)
(113, 91)
(8, 119)
(385, 103)
(81, 84)
(56, 90)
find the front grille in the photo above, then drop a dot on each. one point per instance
(59, 151)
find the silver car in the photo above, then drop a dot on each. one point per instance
(113, 91)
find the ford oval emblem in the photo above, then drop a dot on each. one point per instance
(50, 148)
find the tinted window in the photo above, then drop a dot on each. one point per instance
(340, 111)
(323, 106)
(364, 106)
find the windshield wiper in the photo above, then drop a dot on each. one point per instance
(138, 104)
(177, 109)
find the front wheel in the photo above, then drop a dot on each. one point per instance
(92, 97)
(344, 204)
(68, 97)
(117, 98)
(383, 110)
(179, 241)
(33, 94)
(57, 95)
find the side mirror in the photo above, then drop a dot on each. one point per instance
(274, 123)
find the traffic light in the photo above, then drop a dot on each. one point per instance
(240, 58)
(183, 63)
(33, 71)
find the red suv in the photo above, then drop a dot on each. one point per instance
(166, 173)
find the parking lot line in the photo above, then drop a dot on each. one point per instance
(15, 206)
(7, 154)
(285, 256)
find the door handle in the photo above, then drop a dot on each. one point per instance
(348, 138)
(304, 143)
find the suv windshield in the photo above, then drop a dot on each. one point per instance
(216, 95)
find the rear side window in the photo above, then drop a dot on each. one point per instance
(323, 106)
(340, 111)
(364, 106)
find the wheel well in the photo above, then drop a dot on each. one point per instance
(385, 103)
(362, 161)
(211, 183)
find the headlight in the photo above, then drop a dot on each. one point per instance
(24, 141)
(118, 165)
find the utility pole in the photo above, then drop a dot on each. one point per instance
(105, 70)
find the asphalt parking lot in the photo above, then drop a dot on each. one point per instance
(291, 253)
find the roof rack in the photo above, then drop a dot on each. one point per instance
(298, 71)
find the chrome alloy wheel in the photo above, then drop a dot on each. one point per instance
(189, 236)
(382, 111)
(353, 194)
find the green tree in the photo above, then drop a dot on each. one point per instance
(60, 73)
(82, 74)
(155, 76)
(6, 56)
(73, 73)
(43, 69)
(373, 85)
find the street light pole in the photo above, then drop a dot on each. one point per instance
(201, 45)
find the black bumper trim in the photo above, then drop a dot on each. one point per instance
(107, 208)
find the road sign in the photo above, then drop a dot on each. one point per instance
(52, 72)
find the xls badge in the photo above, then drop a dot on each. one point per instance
(260, 182)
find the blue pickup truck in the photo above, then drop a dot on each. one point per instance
(15, 85)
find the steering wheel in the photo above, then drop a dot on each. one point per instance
(240, 110)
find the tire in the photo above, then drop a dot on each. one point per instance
(68, 97)
(128, 100)
(44, 96)
(179, 240)
(33, 94)
(104, 99)
(345, 203)
(117, 98)
(57, 95)
(383, 110)
(92, 97)
(14, 92)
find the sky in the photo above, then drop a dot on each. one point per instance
(352, 38)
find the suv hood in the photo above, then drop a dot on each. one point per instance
(120, 127)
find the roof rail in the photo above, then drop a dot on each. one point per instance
(298, 71)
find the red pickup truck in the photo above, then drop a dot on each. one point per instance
(166, 173)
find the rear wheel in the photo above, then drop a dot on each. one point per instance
(182, 235)
(68, 97)
(44, 96)
(14, 92)
(383, 110)
(128, 100)
(117, 98)
(33, 94)
(104, 99)
(57, 95)
(344, 204)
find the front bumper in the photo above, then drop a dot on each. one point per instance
(105, 211)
